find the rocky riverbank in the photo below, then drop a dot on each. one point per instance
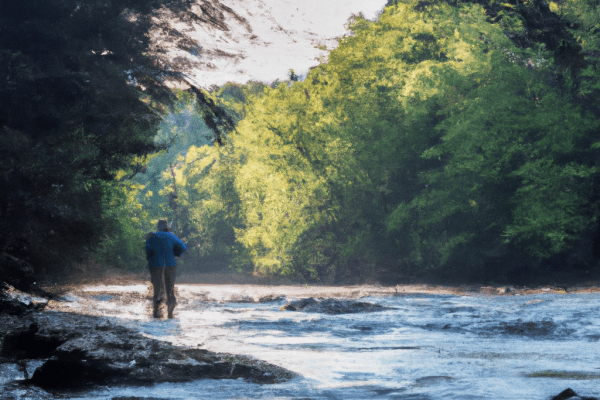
(71, 351)
(84, 338)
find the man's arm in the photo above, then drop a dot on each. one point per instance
(149, 249)
(178, 247)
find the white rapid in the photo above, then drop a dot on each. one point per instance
(424, 346)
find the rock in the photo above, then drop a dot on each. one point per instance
(15, 302)
(16, 272)
(570, 394)
(270, 298)
(528, 328)
(505, 290)
(487, 290)
(27, 344)
(299, 305)
(332, 306)
(81, 350)
(18, 391)
(565, 394)
(241, 298)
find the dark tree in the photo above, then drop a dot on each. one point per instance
(82, 89)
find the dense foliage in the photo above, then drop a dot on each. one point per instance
(444, 139)
(454, 140)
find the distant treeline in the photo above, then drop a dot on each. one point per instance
(448, 140)
(442, 140)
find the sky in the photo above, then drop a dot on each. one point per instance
(267, 38)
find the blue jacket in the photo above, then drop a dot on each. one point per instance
(161, 249)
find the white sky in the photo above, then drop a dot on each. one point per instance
(284, 35)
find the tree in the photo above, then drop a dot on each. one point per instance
(445, 139)
(82, 89)
(430, 141)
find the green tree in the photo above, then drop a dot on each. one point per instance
(443, 138)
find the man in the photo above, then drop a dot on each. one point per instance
(161, 249)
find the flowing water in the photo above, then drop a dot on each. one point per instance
(424, 346)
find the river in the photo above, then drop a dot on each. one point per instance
(424, 345)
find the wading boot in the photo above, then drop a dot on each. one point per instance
(170, 309)
(157, 313)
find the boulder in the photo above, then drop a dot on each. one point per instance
(79, 350)
(528, 328)
(332, 306)
(15, 302)
(571, 395)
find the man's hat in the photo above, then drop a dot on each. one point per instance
(163, 225)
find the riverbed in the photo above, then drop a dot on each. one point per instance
(421, 344)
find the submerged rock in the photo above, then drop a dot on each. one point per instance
(80, 350)
(332, 306)
(528, 328)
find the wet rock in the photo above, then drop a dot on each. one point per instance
(27, 344)
(299, 305)
(270, 298)
(544, 328)
(571, 395)
(332, 306)
(528, 328)
(565, 394)
(18, 371)
(15, 302)
(70, 373)
(241, 298)
(505, 290)
(488, 290)
(81, 350)
(18, 391)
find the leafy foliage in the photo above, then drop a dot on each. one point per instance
(440, 139)
(445, 139)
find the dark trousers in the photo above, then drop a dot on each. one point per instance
(163, 277)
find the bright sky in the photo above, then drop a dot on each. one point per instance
(283, 35)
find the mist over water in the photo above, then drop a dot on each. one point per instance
(424, 346)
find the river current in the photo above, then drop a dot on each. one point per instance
(423, 346)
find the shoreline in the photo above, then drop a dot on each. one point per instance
(115, 277)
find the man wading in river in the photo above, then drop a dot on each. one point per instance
(161, 249)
